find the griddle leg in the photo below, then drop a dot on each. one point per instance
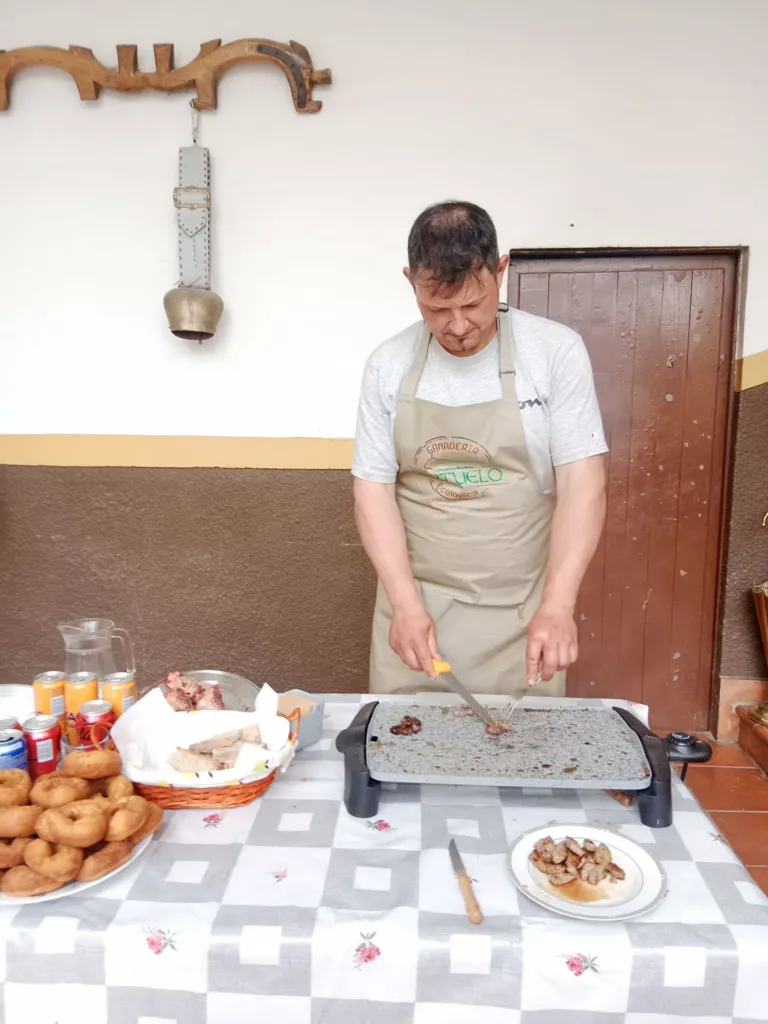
(361, 792)
(655, 802)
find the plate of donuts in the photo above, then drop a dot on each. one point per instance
(70, 830)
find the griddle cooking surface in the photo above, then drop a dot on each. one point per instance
(555, 747)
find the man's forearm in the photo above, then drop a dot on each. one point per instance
(576, 528)
(381, 531)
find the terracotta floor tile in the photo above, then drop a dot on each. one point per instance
(760, 875)
(747, 834)
(725, 755)
(728, 789)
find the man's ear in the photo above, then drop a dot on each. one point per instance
(502, 268)
(407, 275)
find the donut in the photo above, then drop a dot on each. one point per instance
(61, 863)
(12, 852)
(23, 881)
(111, 856)
(15, 785)
(151, 825)
(18, 821)
(55, 790)
(72, 826)
(113, 788)
(94, 805)
(91, 764)
(128, 815)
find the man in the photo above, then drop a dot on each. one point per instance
(479, 477)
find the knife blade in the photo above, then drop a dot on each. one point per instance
(443, 670)
(474, 913)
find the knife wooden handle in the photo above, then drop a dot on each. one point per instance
(474, 913)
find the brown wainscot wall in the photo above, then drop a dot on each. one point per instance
(253, 571)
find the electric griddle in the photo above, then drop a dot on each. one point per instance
(551, 743)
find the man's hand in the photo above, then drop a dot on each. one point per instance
(552, 642)
(413, 637)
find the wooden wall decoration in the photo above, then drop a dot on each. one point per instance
(202, 73)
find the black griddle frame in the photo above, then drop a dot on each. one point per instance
(362, 792)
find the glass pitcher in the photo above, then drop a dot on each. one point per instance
(88, 647)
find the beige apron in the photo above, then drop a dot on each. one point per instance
(477, 527)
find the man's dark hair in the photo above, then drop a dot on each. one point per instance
(452, 241)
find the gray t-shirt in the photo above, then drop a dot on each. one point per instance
(555, 390)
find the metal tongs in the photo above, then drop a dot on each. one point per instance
(444, 671)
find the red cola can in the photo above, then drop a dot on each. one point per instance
(94, 722)
(43, 737)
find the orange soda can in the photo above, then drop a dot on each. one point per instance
(78, 688)
(119, 688)
(48, 689)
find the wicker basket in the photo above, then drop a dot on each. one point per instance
(182, 798)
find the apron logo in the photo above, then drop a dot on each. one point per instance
(458, 467)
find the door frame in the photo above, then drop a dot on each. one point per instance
(740, 254)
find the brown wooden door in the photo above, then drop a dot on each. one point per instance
(659, 331)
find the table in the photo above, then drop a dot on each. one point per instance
(291, 912)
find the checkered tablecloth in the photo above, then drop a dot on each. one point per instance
(291, 912)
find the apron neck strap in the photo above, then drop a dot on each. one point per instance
(506, 356)
(413, 376)
(506, 359)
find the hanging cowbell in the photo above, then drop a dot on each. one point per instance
(193, 310)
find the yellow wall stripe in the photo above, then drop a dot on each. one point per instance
(751, 371)
(175, 452)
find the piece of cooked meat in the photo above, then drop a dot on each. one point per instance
(185, 694)
(186, 761)
(625, 799)
(617, 874)
(572, 863)
(589, 846)
(544, 848)
(592, 873)
(497, 729)
(180, 701)
(574, 847)
(560, 878)
(602, 854)
(559, 853)
(210, 699)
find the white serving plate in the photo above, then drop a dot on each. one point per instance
(73, 888)
(643, 888)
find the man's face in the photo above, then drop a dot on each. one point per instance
(464, 321)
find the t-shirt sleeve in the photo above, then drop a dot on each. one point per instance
(575, 423)
(374, 457)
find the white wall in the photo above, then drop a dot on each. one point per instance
(575, 122)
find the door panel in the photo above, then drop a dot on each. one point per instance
(658, 331)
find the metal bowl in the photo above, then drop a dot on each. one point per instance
(238, 693)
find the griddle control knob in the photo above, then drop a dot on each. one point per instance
(681, 746)
(680, 739)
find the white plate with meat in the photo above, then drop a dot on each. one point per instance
(591, 874)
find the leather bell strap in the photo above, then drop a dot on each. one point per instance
(192, 199)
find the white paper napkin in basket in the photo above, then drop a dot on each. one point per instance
(149, 733)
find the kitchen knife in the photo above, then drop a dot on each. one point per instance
(474, 913)
(443, 670)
